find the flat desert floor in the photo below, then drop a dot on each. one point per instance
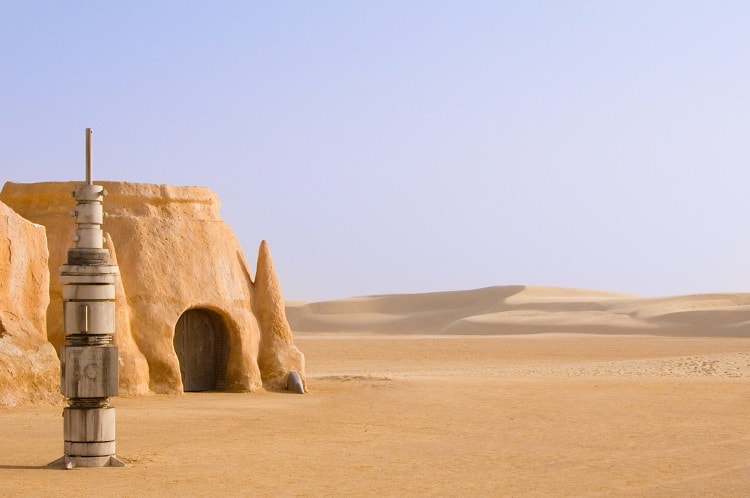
(405, 415)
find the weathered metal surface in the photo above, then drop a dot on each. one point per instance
(89, 317)
(74, 292)
(90, 238)
(89, 371)
(87, 256)
(91, 212)
(88, 359)
(90, 449)
(89, 170)
(105, 278)
(89, 425)
(89, 193)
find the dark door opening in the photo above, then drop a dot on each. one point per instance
(200, 341)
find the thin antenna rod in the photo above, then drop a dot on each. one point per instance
(89, 181)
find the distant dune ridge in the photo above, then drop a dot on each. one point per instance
(505, 310)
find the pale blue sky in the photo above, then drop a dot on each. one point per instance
(409, 146)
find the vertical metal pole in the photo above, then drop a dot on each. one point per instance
(89, 181)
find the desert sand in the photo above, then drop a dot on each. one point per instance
(654, 407)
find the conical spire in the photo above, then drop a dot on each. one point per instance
(269, 301)
(278, 357)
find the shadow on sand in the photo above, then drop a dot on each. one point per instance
(28, 467)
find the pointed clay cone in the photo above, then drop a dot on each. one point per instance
(278, 355)
(269, 302)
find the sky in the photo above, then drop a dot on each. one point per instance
(410, 146)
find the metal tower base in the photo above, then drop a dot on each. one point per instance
(71, 462)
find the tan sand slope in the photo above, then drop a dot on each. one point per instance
(527, 310)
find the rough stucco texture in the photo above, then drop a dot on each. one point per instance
(29, 368)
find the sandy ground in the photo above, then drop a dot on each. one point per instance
(400, 415)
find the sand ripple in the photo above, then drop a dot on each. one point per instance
(730, 365)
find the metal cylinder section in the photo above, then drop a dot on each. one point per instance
(89, 317)
(89, 215)
(89, 360)
(96, 425)
(89, 433)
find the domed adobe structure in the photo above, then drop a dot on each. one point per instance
(186, 301)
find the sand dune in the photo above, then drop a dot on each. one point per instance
(505, 310)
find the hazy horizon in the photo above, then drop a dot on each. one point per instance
(400, 147)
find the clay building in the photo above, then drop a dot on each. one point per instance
(190, 316)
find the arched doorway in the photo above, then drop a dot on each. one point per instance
(200, 341)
